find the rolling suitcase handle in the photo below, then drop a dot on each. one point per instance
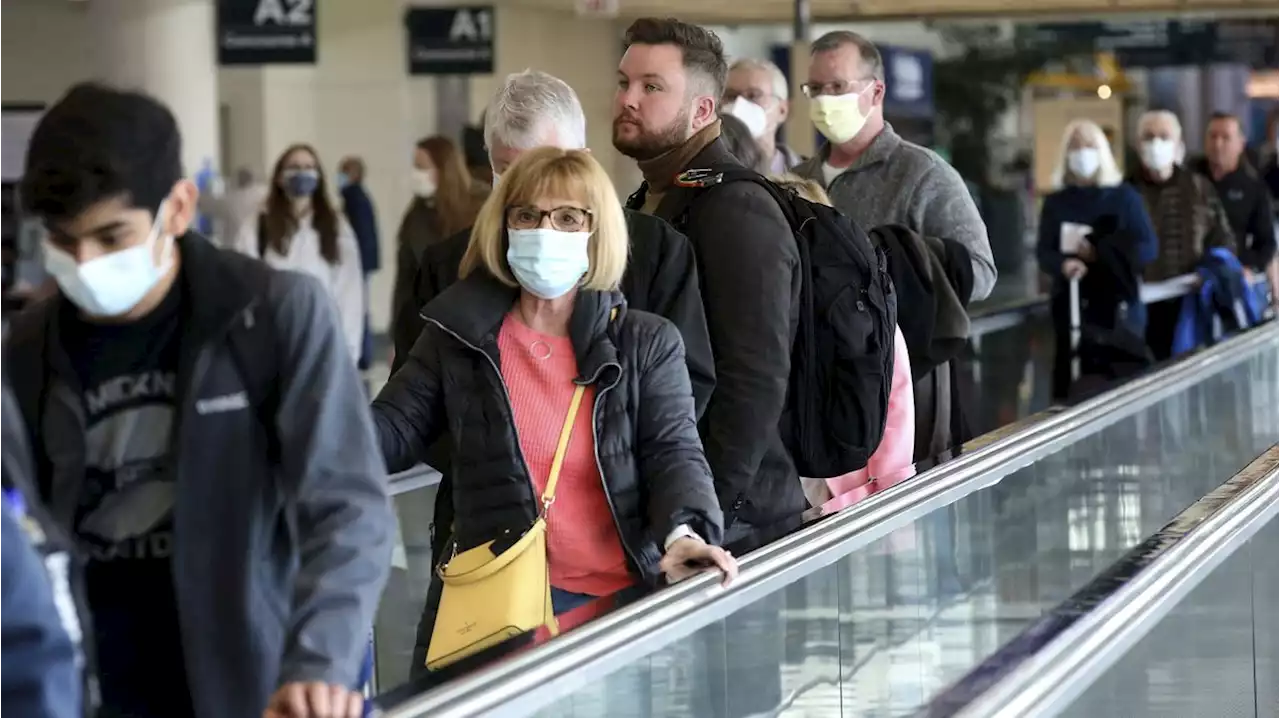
(1073, 299)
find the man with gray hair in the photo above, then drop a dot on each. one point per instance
(756, 92)
(873, 175)
(534, 109)
(1185, 211)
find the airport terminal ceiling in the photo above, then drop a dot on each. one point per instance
(731, 12)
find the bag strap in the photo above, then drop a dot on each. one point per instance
(714, 176)
(549, 493)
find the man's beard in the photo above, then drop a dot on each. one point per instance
(647, 145)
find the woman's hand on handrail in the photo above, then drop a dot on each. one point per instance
(689, 556)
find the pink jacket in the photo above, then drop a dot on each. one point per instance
(893, 457)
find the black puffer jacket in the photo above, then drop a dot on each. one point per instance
(655, 474)
(662, 278)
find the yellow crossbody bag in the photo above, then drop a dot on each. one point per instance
(489, 598)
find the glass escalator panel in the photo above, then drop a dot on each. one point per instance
(882, 630)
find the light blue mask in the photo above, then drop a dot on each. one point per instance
(547, 262)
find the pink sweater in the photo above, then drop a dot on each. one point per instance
(894, 454)
(584, 550)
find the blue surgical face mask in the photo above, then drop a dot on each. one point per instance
(343, 180)
(301, 183)
(547, 262)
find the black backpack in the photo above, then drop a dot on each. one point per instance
(842, 360)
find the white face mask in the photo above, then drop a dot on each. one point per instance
(547, 262)
(839, 117)
(114, 283)
(423, 184)
(1159, 154)
(1084, 162)
(751, 114)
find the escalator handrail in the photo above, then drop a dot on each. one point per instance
(982, 321)
(1004, 315)
(1046, 682)
(524, 683)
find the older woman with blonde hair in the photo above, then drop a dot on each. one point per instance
(535, 328)
(1092, 204)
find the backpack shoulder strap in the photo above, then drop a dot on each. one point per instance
(701, 181)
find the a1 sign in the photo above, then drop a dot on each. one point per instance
(264, 32)
(450, 40)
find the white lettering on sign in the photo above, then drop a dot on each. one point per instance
(471, 25)
(908, 75)
(283, 12)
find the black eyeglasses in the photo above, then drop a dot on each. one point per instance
(839, 87)
(565, 219)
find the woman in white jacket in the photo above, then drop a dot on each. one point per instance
(300, 231)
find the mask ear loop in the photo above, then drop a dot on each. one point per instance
(157, 231)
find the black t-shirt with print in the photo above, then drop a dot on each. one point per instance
(125, 515)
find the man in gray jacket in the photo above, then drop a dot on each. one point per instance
(877, 178)
(200, 431)
(873, 175)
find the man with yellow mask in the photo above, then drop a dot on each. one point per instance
(873, 175)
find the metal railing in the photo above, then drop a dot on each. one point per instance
(1186, 551)
(527, 682)
(985, 321)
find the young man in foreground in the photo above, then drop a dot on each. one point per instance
(199, 428)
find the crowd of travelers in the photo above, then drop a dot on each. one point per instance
(614, 389)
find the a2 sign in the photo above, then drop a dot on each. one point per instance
(266, 32)
(441, 40)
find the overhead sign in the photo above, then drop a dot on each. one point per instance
(908, 79)
(450, 40)
(266, 32)
(1166, 43)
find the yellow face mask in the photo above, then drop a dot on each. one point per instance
(838, 117)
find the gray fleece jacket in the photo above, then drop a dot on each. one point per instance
(899, 182)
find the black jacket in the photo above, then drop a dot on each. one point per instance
(282, 524)
(417, 232)
(1109, 348)
(1247, 200)
(933, 277)
(661, 278)
(749, 266)
(646, 440)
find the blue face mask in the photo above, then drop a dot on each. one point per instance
(343, 180)
(301, 183)
(547, 262)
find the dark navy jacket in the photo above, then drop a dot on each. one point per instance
(42, 661)
(41, 678)
(364, 222)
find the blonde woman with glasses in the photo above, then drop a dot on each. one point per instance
(536, 314)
